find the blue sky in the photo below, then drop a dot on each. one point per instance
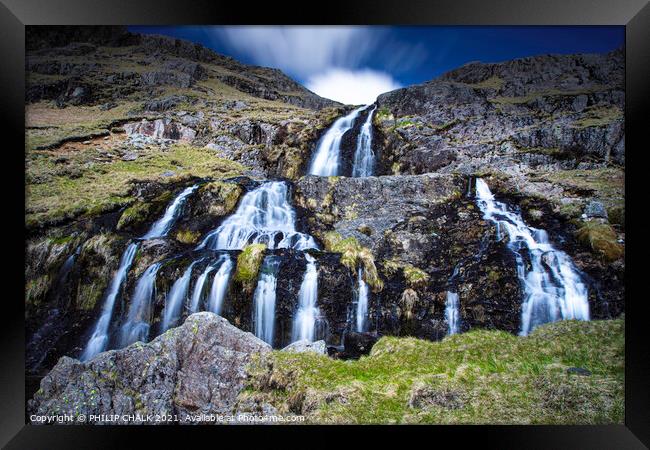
(354, 64)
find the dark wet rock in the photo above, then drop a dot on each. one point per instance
(196, 368)
(379, 204)
(357, 344)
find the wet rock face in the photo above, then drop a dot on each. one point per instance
(421, 222)
(196, 368)
(65, 298)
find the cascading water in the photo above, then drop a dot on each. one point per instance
(263, 216)
(219, 286)
(362, 302)
(364, 157)
(452, 313)
(326, 156)
(138, 319)
(264, 299)
(198, 288)
(162, 226)
(304, 323)
(553, 288)
(99, 339)
(175, 299)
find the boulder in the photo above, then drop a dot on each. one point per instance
(197, 368)
(306, 346)
(595, 209)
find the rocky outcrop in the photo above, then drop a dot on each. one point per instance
(541, 112)
(165, 61)
(197, 368)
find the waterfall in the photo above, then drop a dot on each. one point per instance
(304, 324)
(326, 155)
(219, 286)
(553, 288)
(452, 312)
(264, 300)
(263, 216)
(364, 157)
(136, 326)
(99, 339)
(362, 302)
(175, 299)
(198, 288)
(162, 226)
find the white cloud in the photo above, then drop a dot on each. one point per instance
(352, 87)
(301, 50)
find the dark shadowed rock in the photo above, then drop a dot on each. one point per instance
(357, 344)
(196, 368)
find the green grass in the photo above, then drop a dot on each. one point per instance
(476, 377)
(52, 194)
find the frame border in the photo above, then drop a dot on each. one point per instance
(15, 14)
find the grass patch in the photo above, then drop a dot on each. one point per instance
(472, 378)
(54, 195)
(599, 116)
(493, 82)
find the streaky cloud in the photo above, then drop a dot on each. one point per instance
(352, 87)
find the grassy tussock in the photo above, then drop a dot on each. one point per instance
(354, 255)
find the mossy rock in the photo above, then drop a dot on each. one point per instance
(601, 238)
(226, 196)
(142, 211)
(36, 289)
(249, 262)
(186, 236)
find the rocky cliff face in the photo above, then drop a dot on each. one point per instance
(539, 120)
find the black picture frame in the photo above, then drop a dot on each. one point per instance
(15, 14)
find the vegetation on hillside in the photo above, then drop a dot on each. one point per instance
(568, 372)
